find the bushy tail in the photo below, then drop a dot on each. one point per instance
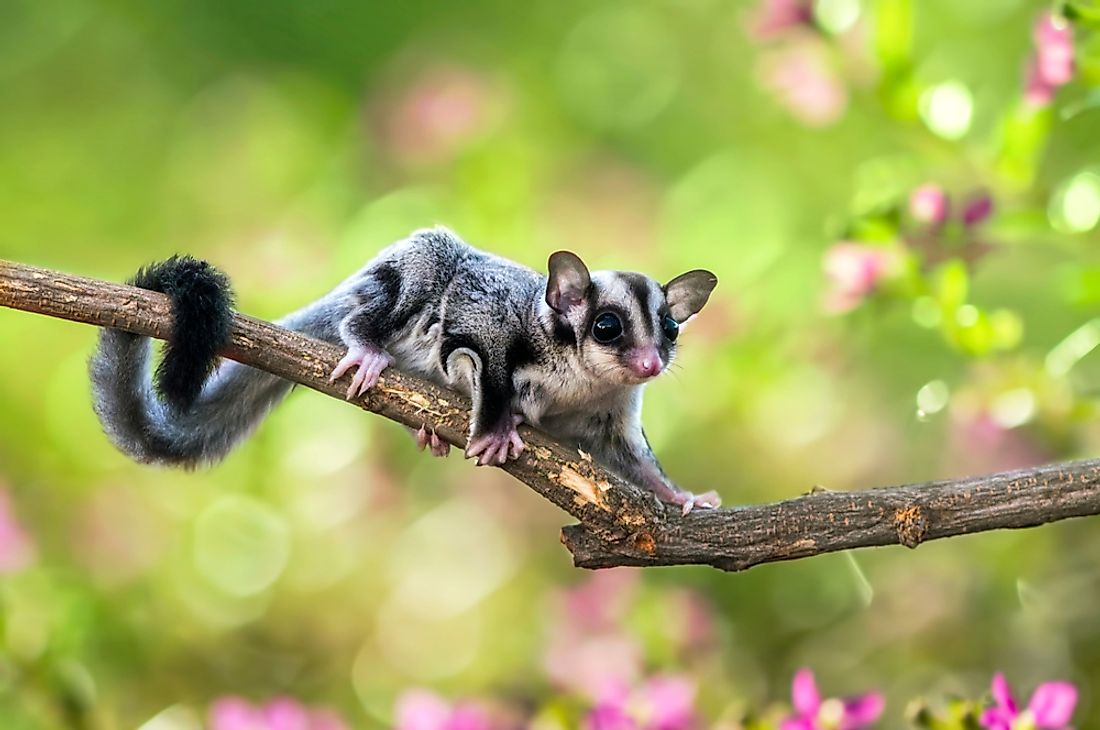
(183, 416)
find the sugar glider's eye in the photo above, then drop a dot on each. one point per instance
(670, 327)
(607, 327)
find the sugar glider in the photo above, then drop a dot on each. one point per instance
(568, 352)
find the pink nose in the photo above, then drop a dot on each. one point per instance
(644, 362)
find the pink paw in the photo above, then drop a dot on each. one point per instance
(429, 439)
(689, 501)
(371, 361)
(497, 446)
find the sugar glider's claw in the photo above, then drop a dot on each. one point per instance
(370, 361)
(689, 501)
(426, 439)
(497, 446)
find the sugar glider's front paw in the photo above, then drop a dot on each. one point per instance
(430, 440)
(689, 501)
(498, 445)
(370, 360)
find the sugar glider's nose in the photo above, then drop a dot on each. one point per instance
(644, 362)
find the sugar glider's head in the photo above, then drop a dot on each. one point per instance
(624, 325)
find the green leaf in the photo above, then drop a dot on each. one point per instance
(893, 33)
(1023, 137)
(953, 285)
(1082, 12)
(971, 331)
(1090, 101)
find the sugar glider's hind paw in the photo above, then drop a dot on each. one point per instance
(370, 361)
(689, 501)
(498, 445)
(426, 439)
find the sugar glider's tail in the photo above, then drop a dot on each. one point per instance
(194, 409)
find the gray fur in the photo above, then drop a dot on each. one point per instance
(232, 403)
(485, 326)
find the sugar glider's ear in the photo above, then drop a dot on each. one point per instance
(568, 282)
(687, 293)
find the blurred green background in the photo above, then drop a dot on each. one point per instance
(819, 157)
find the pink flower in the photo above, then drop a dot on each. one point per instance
(419, 709)
(802, 79)
(664, 702)
(978, 208)
(609, 717)
(234, 713)
(669, 703)
(600, 601)
(440, 111)
(774, 17)
(929, 204)
(1053, 49)
(587, 651)
(591, 664)
(978, 443)
(1050, 708)
(16, 547)
(280, 713)
(813, 713)
(697, 625)
(1052, 63)
(853, 271)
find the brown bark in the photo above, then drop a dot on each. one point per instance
(620, 524)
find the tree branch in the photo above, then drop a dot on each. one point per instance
(620, 524)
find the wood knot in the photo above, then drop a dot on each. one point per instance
(911, 525)
(645, 542)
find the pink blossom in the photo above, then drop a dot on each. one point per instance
(1052, 63)
(803, 80)
(442, 110)
(610, 716)
(600, 601)
(697, 625)
(16, 547)
(1050, 708)
(419, 709)
(669, 703)
(1053, 49)
(854, 271)
(591, 664)
(664, 702)
(813, 713)
(234, 713)
(774, 17)
(280, 713)
(929, 204)
(587, 651)
(1036, 90)
(978, 443)
(978, 208)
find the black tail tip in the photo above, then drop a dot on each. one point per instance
(202, 316)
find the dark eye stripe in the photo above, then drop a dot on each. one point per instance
(639, 287)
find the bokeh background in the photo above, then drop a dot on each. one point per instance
(900, 200)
